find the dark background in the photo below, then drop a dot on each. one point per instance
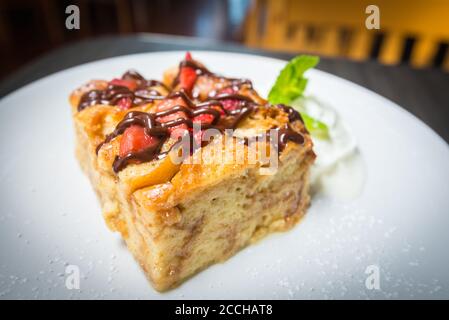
(29, 28)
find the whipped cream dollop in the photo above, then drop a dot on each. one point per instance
(339, 170)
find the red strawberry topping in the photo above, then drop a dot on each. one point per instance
(135, 139)
(130, 84)
(187, 75)
(229, 90)
(229, 104)
(125, 103)
(167, 104)
(204, 118)
(187, 78)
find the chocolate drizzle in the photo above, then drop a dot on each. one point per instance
(235, 83)
(231, 96)
(293, 115)
(222, 118)
(155, 128)
(144, 93)
(284, 135)
(287, 134)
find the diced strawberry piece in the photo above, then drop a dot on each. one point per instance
(135, 139)
(204, 118)
(187, 75)
(167, 104)
(130, 84)
(230, 104)
(176, 131)
(187, 78)
(125, 103)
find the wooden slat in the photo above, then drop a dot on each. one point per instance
(392, 48)
(330, 42)
(295, 40)
(298, 41)
(124, 16)
(405, 16)
(277, 25)
(398, 20)
(53, 22)
(253, 17)
(360, 45)
(446, 61)
(424, 50)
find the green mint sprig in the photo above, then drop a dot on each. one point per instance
(290, 85)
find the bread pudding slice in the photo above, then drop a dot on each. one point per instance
(180, 166)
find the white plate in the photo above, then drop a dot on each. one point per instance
(50, 217)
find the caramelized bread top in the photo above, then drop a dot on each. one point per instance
(148, 133)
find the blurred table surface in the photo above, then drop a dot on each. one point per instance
(425, 93)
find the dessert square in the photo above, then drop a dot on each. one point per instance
(190, 169)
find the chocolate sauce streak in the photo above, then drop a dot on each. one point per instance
(293, 115)
(235, 83)
(287, 134)
(143, 94)
(222, 118)
(232, 96)
(155, 128)
(284, 135)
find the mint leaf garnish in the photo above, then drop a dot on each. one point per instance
(290, 85)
